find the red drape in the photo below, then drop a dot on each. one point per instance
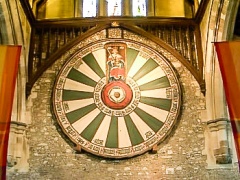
(229, 62)
(9, 60)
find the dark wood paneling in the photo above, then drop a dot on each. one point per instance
(51, 38)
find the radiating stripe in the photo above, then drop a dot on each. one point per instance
(92, 63)
(155, 93)
(76, 86)
(69, 95)
(80, 77)
(102, 132)
(134, 134)
(85, 69)
(84, 121)
(156, 84)
(146, 68)
(79, 113)
(152, 75)
(138, 63)
(131, 56)
(74, 105)
(164, 104)
(152, 116)
(112, 138)
(142, 127)
(123, 136)
(89, 132)
(100, 55)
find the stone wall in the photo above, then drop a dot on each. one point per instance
(52, 155)
(183, 155)
(217, 25)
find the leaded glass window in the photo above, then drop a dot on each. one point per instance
(139, 7)
(114, 7)
(89, 8)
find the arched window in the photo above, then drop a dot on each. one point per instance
(101, 8)
(114, 7)
(139, 7)
(89, 8)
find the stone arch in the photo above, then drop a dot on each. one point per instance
(13, 30)
(197, 73)
(218, 131)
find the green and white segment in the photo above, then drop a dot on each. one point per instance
(117, 133)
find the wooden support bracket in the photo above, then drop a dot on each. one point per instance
(78, 148)
(154, 149)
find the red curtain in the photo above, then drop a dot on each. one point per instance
(9, 60)
(229, 62)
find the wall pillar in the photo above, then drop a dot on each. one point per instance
(220, 130)
(218, 133)
(102, 8)
(127, 8)
(17, 32)
(151, 8)
(18, 152)
(78, 8)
